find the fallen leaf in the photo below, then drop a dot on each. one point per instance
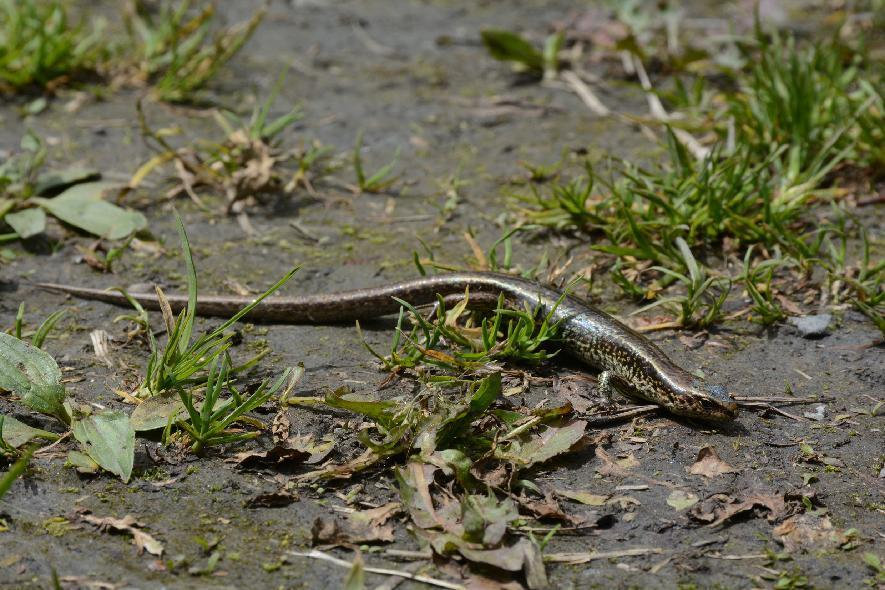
(376, 516)
(549, 509)
(718, 508)
(127, 524)
(413, 482)
(680, 500)
(623, 502)
(331, 532)
(553, 441)
(281, 454)
(708, 464)
(627, 462)
(280, 427)
(584, 497)
(809, 531)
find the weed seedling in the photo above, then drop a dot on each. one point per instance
(182, 358)
(41, 48)
(7, 479)
(701, 305)
(39, 335)
(210, 424)
(177, 52)
(757, 281)
(380, 180)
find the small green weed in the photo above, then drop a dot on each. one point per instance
(454, 341)
(17, 469)
(701, 304)
(509, 46)
(378, 182)
(39, 335)
(40, 48)
(757, 281)
(176, 51)
(182, 358)
(210, 425)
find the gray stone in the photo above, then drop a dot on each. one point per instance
(812, 326)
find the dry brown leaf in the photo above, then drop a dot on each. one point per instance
(708, 464)
(549, 508)
(583, 497)
(718, 508)
(809, 531)
(280, 454)
(142, 541)
(280, 427)
(332, 532)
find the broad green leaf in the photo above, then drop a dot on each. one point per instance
(58, 179)
(16, 433)
(507, 46)
(33, 375)
(154, 412)
(483, 396)
(109, 439)
(82, 207)
(27, 223)
(381, 411)
(583, 497)
(82, 462)
(543, 446)
(681, 500)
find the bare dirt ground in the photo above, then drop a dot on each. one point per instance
(412, 75)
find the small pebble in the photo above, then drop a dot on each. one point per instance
(812, 326)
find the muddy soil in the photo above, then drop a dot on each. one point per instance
(412, 75)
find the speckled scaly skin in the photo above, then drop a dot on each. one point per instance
(627, 359)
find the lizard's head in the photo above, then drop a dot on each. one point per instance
(707, 402)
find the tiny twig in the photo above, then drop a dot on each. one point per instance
(753, 401)
(585, 93)
(316, 554)
(584, 557)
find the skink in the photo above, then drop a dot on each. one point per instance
(627, 360)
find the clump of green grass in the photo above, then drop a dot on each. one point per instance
(815, 101)
(210, 424)
(175, 49)
(645, 212)
(454, 340)
(701, 304)
(183, 360)
(40, 47)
